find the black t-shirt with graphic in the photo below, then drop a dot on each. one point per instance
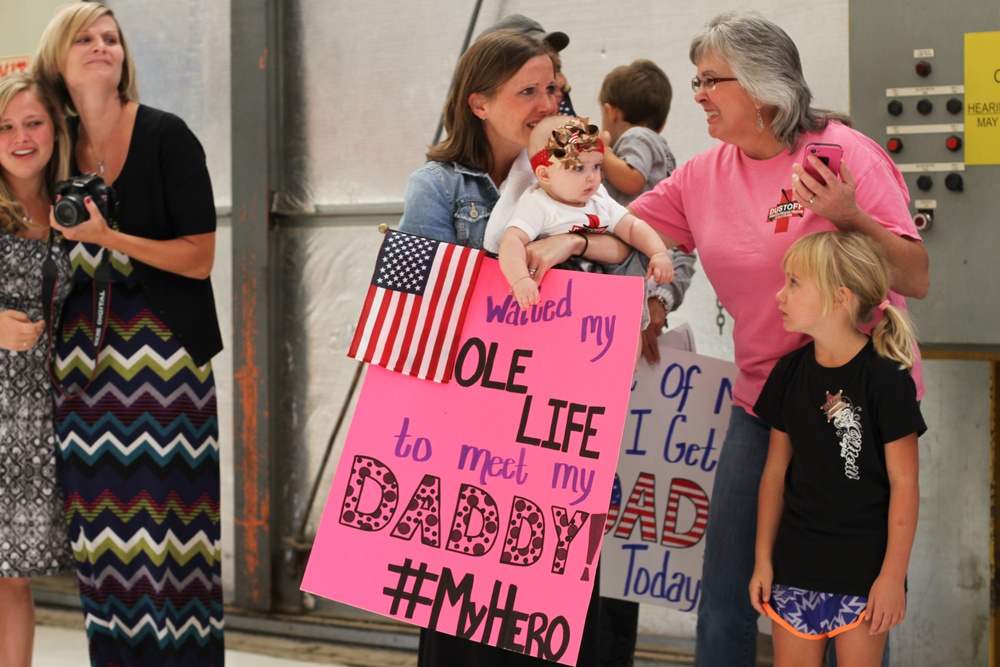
(834, 527)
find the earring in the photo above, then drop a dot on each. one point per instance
(760, 121)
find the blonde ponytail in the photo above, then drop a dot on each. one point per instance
(895, 337)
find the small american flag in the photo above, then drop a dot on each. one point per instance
(415, 308)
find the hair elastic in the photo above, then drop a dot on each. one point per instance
(882, 306)
(586, 243)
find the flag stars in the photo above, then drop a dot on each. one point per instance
(405, 263)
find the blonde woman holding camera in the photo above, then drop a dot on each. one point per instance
(136, 404)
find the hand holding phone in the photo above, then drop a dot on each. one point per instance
(830, 154)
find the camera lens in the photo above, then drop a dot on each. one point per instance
(70, 211)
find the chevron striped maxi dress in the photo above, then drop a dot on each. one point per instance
(139, 467)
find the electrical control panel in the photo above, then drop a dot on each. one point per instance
(925, 84)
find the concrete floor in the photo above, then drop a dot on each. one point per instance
(60, 642)
(60, 647)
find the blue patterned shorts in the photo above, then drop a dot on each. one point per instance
(812, 615)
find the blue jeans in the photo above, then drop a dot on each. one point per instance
(727, 622)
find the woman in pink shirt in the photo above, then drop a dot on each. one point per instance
(742, 203)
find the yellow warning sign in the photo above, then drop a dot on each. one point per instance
(982, 98)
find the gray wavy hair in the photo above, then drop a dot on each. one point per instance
(766, 62)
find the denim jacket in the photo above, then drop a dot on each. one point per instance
(448, 202)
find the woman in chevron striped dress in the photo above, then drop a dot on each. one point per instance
(136, 402)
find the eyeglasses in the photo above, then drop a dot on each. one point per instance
(709, 82)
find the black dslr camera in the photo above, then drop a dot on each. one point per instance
(70, 209)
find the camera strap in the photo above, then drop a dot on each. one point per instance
(102, 299)
(102, 304)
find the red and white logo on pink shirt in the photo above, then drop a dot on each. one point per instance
(787, 208)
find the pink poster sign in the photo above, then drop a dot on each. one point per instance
(477, 507)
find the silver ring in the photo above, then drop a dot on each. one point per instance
(812, 199)
(531, 272)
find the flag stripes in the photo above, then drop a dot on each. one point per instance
(413, 313)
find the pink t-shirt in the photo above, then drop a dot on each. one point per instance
(741, 215)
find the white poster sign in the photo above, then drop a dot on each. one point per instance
(677, 419)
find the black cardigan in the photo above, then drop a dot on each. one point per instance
(164, 191)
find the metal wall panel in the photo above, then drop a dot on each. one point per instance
(962, 307)
(181, 52)
(948, 603)
(365, 82)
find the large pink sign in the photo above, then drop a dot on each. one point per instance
(477, 507)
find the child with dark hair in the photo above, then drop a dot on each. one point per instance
(635, 101)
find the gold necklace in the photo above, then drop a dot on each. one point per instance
(26, 215)
(114, 128)
(30, 226)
